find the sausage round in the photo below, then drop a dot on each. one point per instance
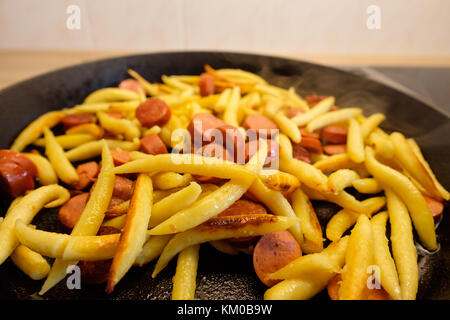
(252, 147)
(73, 120)
(233, 140)
(201, 128)
(272, 252)
(291, 112)
(14, 179)
(309, 134)
(262, 125)
(123, 188)
(312, 144)
(331, 149)
(436, 207)
(71, 211)
(87, 172)
(21, 160)
(130, 84)
(301, 153)
(120, 157)
(206, 84)
(334, 134)
(152, 112)
(152, 144)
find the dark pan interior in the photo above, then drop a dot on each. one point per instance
(220, 276)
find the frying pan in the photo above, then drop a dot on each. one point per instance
(221, 276)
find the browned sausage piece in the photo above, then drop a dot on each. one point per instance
(233, 140)
(73, 120)
(206, 84)
(116, 115)
(14, 179)
(152, 112)
(114, 202)
(120, 157)
(272, 252)
(130, 84)
(331, 149)
(436, 207)
(252, 147)
(243, 207)
(334, 134)
(371, 294)
(152, 144)
(291, 112)
(312, 144)
(262, 125)
(308, 134)
(314, 99)
(123, 188)
(20, 159)
(87, 172)
(301, 153)
(71, 211)
(201, 128)
(96, 272)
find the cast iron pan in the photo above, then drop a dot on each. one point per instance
(221, 276)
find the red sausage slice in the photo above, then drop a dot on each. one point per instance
(73, 120)
(120, 157)
(436, 207)
(312, 144)
(152, 112)
(123, 188)
(71, 211)
(233, 141)
(262, 125)
(334, 134)
(152, 144)
(206, 84)
(252, 147)
(309, 134)
(216, 151)
(14, 179)
(87, 172)
(301, 153)
(130, 84)
(20, 159)
(292, 112)
(332, 149)
(272, 252)
(202, 127)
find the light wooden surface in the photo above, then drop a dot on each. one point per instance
(16, 66)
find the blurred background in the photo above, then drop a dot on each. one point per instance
(403, 42)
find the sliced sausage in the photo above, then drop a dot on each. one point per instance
(152, 144)
(309, 134)
(272, 252)
(152, 112)
(311, 144)
(73, 120)
(71, 211)
(233, 141)
(314, 99)
(114, 202)
(331, 149)
(206, 84)
(273, 150)
(14, 179)
(116, 115)
(372, 294)
(87, 172)
(96, 272)
(334, 134)
(301, 153)
(202, 127)
(263, 126)
(131, 84)
(291, 112)
(243, 207)
(120, 157)
(123, 188)
(436, 207)
(21, 160)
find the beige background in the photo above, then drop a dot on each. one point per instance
(408, 27)
(34, 37)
